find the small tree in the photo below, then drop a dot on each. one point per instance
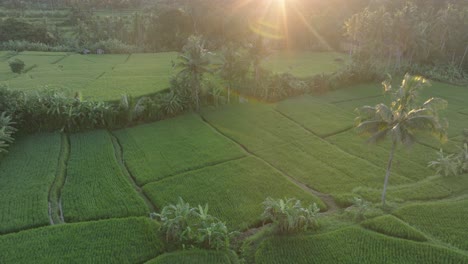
(16, 65)
(403, 120)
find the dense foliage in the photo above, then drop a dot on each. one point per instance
(451, 164)
(16, 65)
(289, 216)
(6, 132)
(187, 225)
(390, 38)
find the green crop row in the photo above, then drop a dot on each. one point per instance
(26, 174)
(130, 240)
(443, 220)
(392, 226)
(352, 245)
(196, 257)
(233, 190)
(95, 187)
(155, 151)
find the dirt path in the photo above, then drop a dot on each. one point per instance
(55, 191)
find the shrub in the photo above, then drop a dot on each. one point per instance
(359, 208)
(16, 65)
(6, 131)
(23, 45)
(114, 46)
(289, 216)
(450, 165)
(193, 226)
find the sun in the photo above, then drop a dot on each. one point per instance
(271, 18)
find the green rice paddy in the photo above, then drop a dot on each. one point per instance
(231, 158)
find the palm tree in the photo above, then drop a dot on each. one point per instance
(258, 52)
(194, 62)
(232, 67)
(404, 120)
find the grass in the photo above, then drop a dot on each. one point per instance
(298, 64)
(392, 226)
(26, 175)
(130, 240)
(195, 256)
(445, 220)
(95, 187)
(352, 245)
(158, 150)
(234, 190)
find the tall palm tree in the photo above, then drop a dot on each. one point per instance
(404, 120)
(194, 63)
(232, 67)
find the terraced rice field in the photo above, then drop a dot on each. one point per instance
(108, 77)
(233, 190)
(196, 257)
(392, 226)
(96, 77)
(130, 240)
(230, 158)
(155, 151)
(26, 175)
(353, 245)
(443, 220)
(96, 187)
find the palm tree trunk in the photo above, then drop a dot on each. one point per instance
(387, 175)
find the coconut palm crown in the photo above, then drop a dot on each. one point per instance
(404, 120)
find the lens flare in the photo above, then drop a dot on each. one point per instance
(270, 19)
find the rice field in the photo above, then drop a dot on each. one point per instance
(96, 187)
(108, 77)
(155, 151)
(443, 220)
(352, 245)
(26, 175)
(392, 226)
(233, 190)
(96, 77)
(231, 158)
(196, 257)
(130, 240)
